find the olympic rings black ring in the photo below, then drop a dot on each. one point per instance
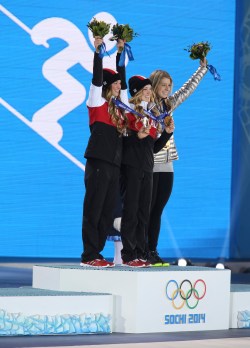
(191, 289)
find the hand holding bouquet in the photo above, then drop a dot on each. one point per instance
(99, 30)
(200, 51)
(126, 33)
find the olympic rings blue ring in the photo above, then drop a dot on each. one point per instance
(177, 287)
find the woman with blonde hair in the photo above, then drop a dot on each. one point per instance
(163, 176)
(137, 171)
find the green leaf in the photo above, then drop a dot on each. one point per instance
(98, 28)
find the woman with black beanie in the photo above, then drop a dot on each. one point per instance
(107, 124)
(137, 171)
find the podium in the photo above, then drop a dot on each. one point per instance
(156, 299)
(30, 311)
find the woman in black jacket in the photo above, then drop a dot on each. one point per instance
(103, 154)
(137, 172)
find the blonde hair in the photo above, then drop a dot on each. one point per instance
(156, 78)
(136, 101)
(121, 123)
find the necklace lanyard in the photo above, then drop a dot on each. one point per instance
(123, 106)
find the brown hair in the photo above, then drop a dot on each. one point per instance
(121, 123)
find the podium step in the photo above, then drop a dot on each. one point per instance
(30, 311)
(240, 306)
(164, 299)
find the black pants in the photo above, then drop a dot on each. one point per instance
(117, 213)
(102, 184)
(162, 188)
(136, 190)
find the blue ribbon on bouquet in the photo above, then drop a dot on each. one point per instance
(102, 49)
(123, 106)
(214, 72)
(127, 50)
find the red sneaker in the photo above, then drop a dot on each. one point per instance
(111, 264)
(102, 263)
(134, 263)
(146, 263)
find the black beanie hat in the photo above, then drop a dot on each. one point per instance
(136, 83)
(109, 77)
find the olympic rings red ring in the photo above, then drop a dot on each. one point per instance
(205, 289)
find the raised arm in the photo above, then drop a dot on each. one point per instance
(122, 72)
(189, 87)
(121, 69)
(95, 93)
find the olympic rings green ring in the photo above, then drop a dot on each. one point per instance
(192, 307)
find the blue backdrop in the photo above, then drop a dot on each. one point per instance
(240, 218)
(46, 63)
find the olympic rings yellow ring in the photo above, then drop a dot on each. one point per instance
(173, 298)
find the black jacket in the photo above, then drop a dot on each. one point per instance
(105, 142)
(139, 153)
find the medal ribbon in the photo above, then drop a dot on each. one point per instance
(123, 106)
(126, 51)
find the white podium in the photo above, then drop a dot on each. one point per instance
(29, 311)
(240, 306)
(164, 299)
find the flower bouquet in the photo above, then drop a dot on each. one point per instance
(98, 28)
(122, 31)
(199, 50)
(126, 33)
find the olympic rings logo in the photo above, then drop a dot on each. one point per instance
(187, 293)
